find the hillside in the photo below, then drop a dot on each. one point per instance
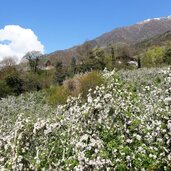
(130, 35)
(158, 40)
(136, 33)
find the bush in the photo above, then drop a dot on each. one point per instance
(31, 82)
(4, 90)
(15, 84)
(46, 78)
(82, 83)
(90, 81)
(10, 82)
(58, 95)
(73, 85)
(153, 57)
(167, 56)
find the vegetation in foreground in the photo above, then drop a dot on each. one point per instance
(122, 124)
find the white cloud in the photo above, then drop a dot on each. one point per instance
(16, 41)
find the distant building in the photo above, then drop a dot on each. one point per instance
(47, 65)
(133, 63)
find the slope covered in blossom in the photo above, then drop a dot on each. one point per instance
(125, 124)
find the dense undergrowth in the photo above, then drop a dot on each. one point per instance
(123, 124)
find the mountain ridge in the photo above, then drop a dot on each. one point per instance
(130, 35)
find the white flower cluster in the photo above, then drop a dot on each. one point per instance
(119, 127)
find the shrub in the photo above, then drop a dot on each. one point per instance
(15, 84)
(153, 57)
(60, 73)
(58, 95)
(90, 81)
(10, 81)
(4, 90)
(31, 82)
(73, 85)
(82, 83)
(167, 56)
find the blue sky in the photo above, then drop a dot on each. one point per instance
(60, 24)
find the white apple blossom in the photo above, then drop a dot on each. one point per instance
(121, 125)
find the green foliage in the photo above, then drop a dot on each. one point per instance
(11, 82)
(6, 71)
(113, 57)
(82, 83)
(94, 61)
(46, 78)
(90, 81)
(73, 68)
(139, 62)
(4, 90)
(108, 62)
(100, 59)
(58, 95)
(153, 57)
(15, 84)
(60, 73)
(31, 81)
(167, 56)
(91, 62)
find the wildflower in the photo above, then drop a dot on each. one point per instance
(138, 137)
(167, 100)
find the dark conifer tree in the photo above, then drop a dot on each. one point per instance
(60, 74)
(113, 57)
(73, 66)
